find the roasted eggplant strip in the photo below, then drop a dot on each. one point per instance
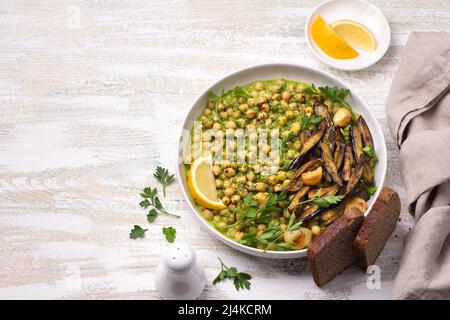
(365, 132)
(339, 149)
(308, 146)
(330, 133)
(356, 176)
(330, 166)
(311, 215)
(296, 182)
(368, 177)
(309, 209)
(348, 163)
(295, 202)
(329, 191)
(357, 144)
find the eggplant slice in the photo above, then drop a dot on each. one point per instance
(365, 132)
(308, 146)
(357, 144)
(296, 183)
(356, 176)
(339, 150)
(348, 163)
(295, 202)
(329, 164)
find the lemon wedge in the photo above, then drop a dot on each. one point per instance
(330, 42)
(356, 35)
(202, 185)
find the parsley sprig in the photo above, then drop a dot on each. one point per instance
(325, 201)
(164, 177)
(137, 232)
(170, 233)
(333, 94)
(150, 199)
(308, 121)
(252, 211)
(237, 91)
(241, 280)
(368, 149)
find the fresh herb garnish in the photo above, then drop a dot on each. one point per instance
(325, 201)
(241, 280)
(151, 200)
(137, 232)
(238, 92)
(163, 176)
(371, 190)
(170, 234)
(368, 149)
(346, 132)
(333, 94)
(307, 121)
(285, 140)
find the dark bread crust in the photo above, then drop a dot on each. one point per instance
(332, 251)
(377, 228)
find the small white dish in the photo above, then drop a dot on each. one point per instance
(266, 72)
(357, 10)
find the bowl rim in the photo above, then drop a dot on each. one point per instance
(181, 175)
(337, 66)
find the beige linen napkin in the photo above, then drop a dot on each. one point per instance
(418, 112)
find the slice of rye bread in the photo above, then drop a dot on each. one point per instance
(332, 251)
(377, 228)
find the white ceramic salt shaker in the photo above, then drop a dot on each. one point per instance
(178, 275)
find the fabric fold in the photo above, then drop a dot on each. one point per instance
(418, 113)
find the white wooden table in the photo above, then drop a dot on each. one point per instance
(92, 94)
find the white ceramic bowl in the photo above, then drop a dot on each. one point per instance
(266, 72)
(357, 10)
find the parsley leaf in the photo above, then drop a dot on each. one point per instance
(307, 121)
(368, 149)
(163, 176)
(170, 234)
(150, 199)
(241, 280)
(334, 94)
(325, 201)
(137, 232)
(371, 190)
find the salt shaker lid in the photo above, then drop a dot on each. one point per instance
(179, 258)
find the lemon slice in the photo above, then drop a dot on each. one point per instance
(357, 35)
(330, 42)
(202, 185)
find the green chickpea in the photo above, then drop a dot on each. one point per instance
(251, 102)
(276, 96)
(220, 107)
(219, 184)
(261, 227)
(241, 180)
(231, 125)
(250, 113)
(289, 114)
(223, 115)
(227, 184)
(207, 123)
(263, 115)
(250, 176)
(283, 227)
(226, 200)
(286, 95)
(243, 107)
(236, 114)
(229, 172)
(229, 192)
(207, 214)
(217, 218)
(273, 180)
(235, 198)
(282, 175)
(243, 168)
(238, 235)
(282, 120)
(260, 186)
(290, 174)
(222, 226)
(291, 154)
(207, 112)
(259, 86)
(286, 182)
(277, 188)
(217, 126)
